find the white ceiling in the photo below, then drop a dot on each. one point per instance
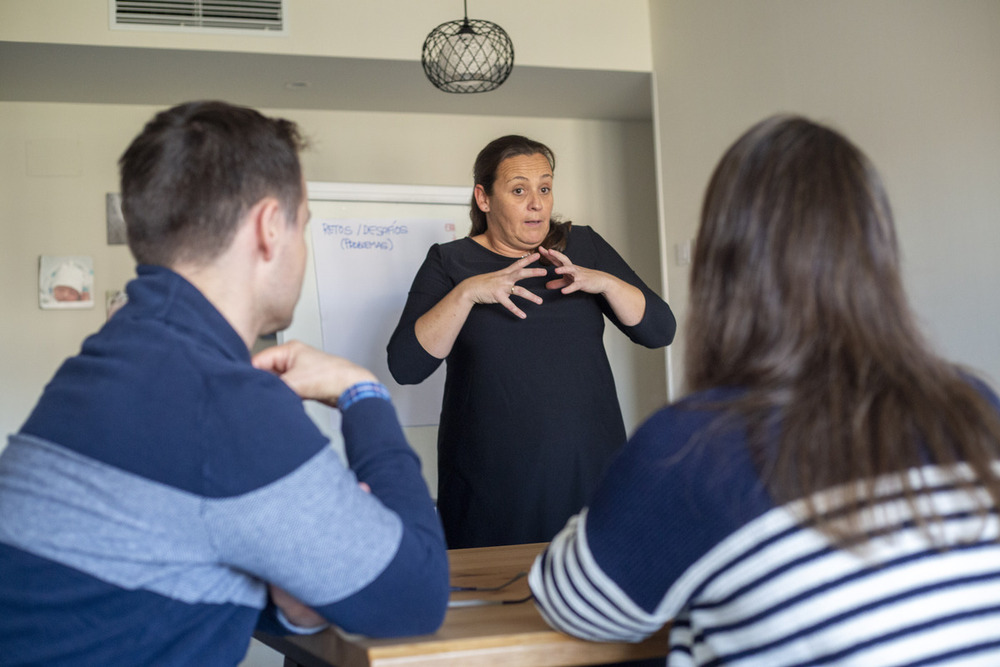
(39, 72)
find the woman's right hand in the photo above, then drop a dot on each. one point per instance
(500, 286)
(438, 328)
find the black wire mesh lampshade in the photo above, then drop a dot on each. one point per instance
(467, 56)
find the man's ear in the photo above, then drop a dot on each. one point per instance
(268, 220)
(482, 199)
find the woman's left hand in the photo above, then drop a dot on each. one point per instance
(625, 299)
(573, 278)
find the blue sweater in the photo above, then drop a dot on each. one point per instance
(162, 480)
(682, 530)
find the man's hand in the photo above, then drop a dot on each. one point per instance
(310, 373)
(297, 613)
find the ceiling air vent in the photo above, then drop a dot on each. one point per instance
(198, 15)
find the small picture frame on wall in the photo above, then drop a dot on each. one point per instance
(65, 282)
(114, 300)
(115, 219)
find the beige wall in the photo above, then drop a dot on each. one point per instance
(585, 34)
(56, 207)
(915, 83)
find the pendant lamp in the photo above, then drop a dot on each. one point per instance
(467, 56)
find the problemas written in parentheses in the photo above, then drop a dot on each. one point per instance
(364, 235)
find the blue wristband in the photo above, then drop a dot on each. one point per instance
(360, 391)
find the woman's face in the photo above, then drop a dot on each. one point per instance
(518, 211)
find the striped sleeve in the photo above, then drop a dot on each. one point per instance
(577, 597)
(778, 593)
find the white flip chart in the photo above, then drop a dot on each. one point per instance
(366, 243)
(364, 267)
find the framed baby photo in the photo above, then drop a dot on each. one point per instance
(65, 282)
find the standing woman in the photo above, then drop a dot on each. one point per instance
(530, 415)
(827, 493)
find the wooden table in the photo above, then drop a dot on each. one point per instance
(473, 636)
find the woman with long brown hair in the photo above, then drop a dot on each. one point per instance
(827, 492)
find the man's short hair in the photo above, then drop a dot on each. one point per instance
(195, 170)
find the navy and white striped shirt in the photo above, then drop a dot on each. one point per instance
(683, 532)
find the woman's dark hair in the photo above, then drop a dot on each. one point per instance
(484, 173)
(796, 296)
(195, 170)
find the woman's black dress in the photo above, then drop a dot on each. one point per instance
(530, 415)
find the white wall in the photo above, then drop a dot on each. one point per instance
(585, 34)
(915, 83)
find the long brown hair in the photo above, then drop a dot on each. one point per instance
(484, 173)
(796, 296)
